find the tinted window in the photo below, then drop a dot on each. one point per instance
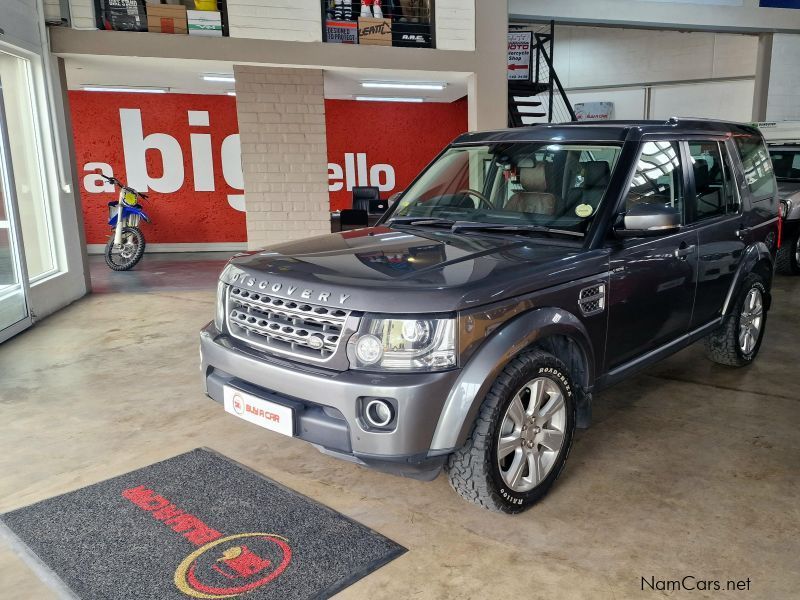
(714, 192)
(658, 178)
(786, 163)
(757, 165)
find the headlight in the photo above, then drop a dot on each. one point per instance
(386, 344)
(219, 312)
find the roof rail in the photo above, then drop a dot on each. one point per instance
(672, 121)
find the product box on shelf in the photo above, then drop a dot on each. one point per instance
(412, 35)
(204, 22)
(166, 18)
(341, 32)
(124, 15)
(374, 32)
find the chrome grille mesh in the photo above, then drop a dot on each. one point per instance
(592, 300)
(285, 326)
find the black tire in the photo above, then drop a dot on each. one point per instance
(118, 262)
(786, 259)
(723, 346)
(473, 469)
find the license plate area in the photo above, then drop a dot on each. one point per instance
(264, 413)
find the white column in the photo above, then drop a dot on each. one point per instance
(284, 153)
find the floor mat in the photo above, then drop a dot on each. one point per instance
(196, 526)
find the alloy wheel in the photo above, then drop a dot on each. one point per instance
(797, 252)
(531, 434)
(750, 320)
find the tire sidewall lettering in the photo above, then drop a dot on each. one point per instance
(509, 496)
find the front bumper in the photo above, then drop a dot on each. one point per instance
(325, 403)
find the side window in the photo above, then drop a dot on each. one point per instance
(658, 178)
(713, 191)
(757, 166)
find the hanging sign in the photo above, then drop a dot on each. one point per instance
(519, 54)
(779, 3)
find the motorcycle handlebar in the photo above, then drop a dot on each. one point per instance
(117, 182)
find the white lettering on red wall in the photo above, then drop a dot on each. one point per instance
(184, 149)
(356, 172)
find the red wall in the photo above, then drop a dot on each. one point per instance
(182, 216)
(384, 139)
(403, 135)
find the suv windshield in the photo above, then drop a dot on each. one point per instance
(786, 163)
(558, 186)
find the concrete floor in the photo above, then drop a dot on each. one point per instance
(690, 468)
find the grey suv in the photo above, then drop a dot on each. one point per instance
(522, 271)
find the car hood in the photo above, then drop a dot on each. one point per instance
(409, 270)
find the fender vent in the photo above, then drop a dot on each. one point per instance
(592, 300)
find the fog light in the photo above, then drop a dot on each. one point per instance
(379, 413)
(369, 349)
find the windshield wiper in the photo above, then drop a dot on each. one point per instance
(420, 221)
(511, 228)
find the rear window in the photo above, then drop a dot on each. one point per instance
(786, 163)
(757, 166)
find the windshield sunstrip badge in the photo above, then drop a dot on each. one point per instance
(291, 290)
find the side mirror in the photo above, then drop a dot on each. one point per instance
(650, 220)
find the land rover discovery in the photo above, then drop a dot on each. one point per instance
(522, 271)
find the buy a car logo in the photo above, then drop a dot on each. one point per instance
(221, 566)
(227, 567)
(238, 404)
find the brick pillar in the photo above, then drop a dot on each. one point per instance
(284, 153)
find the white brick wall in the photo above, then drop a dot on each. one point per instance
(455, 24)
(290, 20)
(284, 153)
(605, 56)
(82, 14)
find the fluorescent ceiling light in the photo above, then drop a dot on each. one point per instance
(388, 99)
(124, 88)
(222, 78)
(403, 85)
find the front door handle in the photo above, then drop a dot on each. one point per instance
(684, 250)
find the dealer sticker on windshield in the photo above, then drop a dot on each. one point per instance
(584, 210)
(268, 415)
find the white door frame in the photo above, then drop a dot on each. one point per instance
(15, 228)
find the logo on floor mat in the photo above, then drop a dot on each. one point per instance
(228, 567)
(222, 566)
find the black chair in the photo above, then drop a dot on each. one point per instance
(362, 196)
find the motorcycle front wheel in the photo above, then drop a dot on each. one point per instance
(125, 256)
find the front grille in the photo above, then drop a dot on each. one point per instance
(285, 326)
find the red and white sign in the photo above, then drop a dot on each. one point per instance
(181, 148)
(385, 144)
(184, 150)
(519, 54)
(259, 412)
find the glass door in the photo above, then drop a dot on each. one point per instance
(14, 313)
